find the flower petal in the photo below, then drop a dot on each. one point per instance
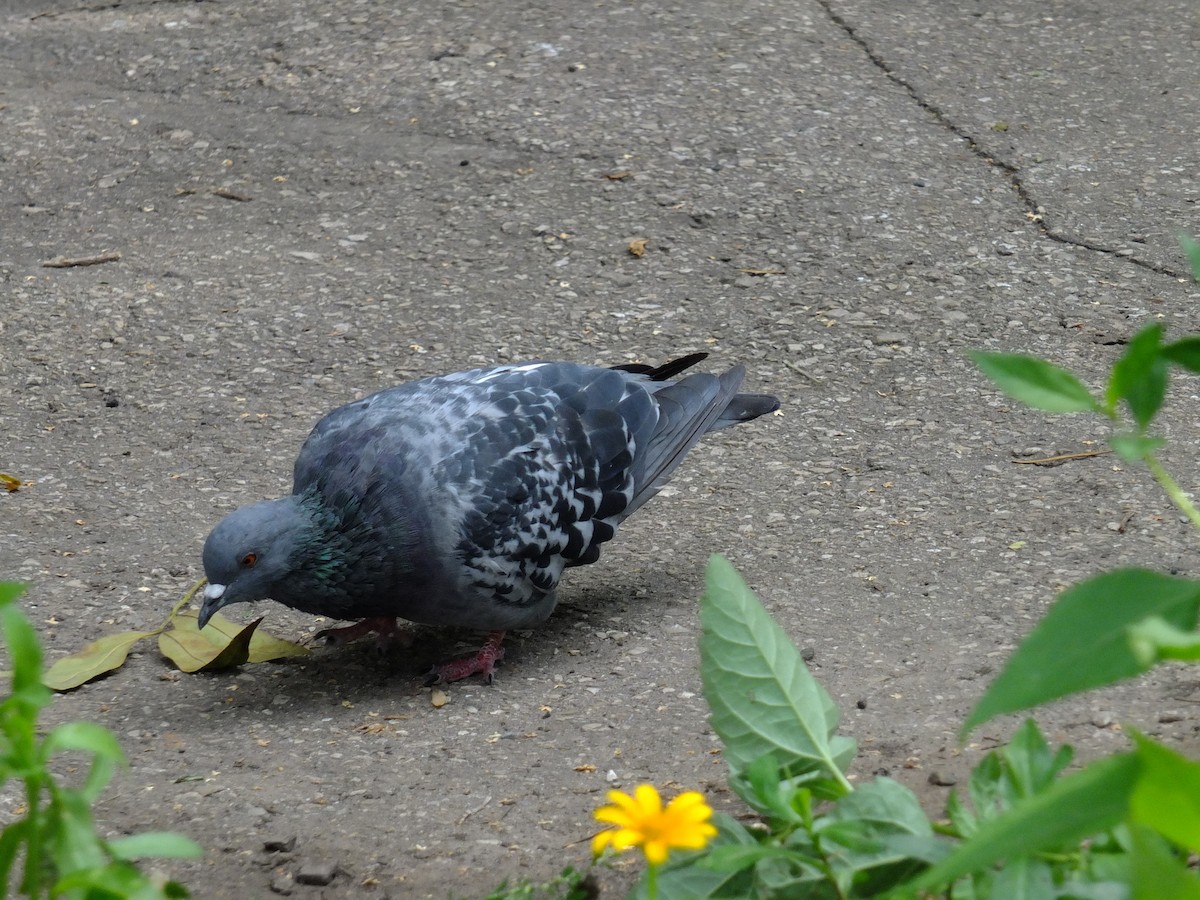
(622, 800)
(656, 852)
(625, 838)
(614, 815)
(691, 801)
(648, 800)
(601, 841)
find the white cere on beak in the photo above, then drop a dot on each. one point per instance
(213, 591)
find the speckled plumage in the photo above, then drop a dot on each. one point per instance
(459, 500)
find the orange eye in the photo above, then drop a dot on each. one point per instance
(249, 560)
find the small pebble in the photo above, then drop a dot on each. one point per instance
(808, 654)
(282, 884)
(280, 845)
(438, 698)
(941, 779)
(316, 873)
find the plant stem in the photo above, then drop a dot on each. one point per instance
(32, 879)
(1173, 490)
(652, 881)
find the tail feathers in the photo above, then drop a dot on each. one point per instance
(666, 370)
(689, 409)
(743, 408)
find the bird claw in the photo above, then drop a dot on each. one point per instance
(483, 662)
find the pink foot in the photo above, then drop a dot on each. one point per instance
(385, 627)
(482, 663)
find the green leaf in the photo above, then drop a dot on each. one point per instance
(1083, 642)
(11, 838)
(10, 591)
(1184, 352)
(1028, 764)
(1025, 878)
(74, 843)
(1139, 377)
(96, 659)
(1192, 250)
(1158, 874)
(876, 836)
(86, 736)
(156, 844)
(762, 786)
(1135, 447)
(24, 649)
(763, 699)
(1167, 795)
(1035, 382)
(117, 880)
(1154, 640)
(962, 820)
(1075, 807)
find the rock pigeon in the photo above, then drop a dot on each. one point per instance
(459, 500)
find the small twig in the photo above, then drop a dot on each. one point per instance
(471, 812)
(55, 13)
(1060, 459)
(216, 191)
(804, 372)
(231, 195)
(67, 262)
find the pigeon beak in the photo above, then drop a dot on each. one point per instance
(213, 594)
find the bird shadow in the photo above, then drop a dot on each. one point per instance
(366, 670)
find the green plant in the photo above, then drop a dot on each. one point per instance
(569, 884)
(62, 853)
(1118, 827)
(1121, 826)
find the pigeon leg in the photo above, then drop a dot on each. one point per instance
(384, 626)
(483, 662)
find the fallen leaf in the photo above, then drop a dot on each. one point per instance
(11, 484)
(192, 651)
(189, 650)
(637, 247)
(618, 176)
(96, 659)
(221, 631)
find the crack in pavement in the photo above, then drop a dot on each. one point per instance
(1034, 211)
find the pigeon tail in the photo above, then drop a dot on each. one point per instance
(689, 409)
(743, 408)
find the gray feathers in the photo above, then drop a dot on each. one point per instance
(459, 500)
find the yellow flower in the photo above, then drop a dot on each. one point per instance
(642, 822)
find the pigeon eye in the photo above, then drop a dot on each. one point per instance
(249, 560)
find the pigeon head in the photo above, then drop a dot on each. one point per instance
(251, 552)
